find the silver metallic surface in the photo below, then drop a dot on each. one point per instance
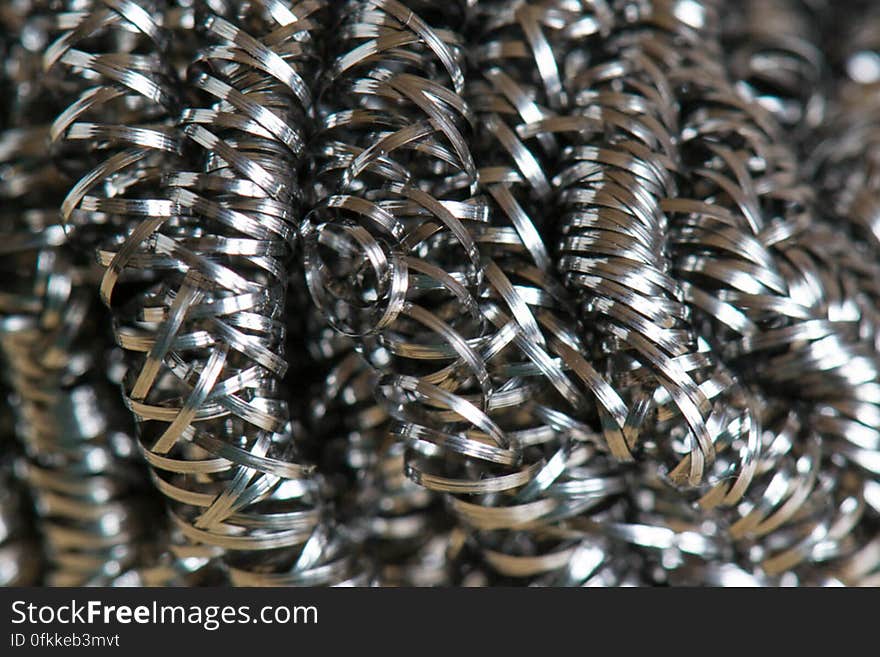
(535, 292)
(206, 196)
(21, 557)
(96, 513)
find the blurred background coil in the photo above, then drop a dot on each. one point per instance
(21, 554)
(93, 500)
(775, 56)
(402, 527)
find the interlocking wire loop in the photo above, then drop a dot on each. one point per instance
(542, 292)
(202, 188)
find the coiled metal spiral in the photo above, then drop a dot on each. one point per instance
(544, 292)
(206, 210)
(92, 497)
(481, 405)
(796, 510)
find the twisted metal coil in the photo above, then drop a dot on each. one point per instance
(391, 114)
(468, 354)
(617, 168)
(198, 229)
(92, 497)
(779, 326)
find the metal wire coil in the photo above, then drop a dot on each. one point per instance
(596, 281)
